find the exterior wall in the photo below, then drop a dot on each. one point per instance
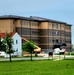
(14, 24)
(48, 36)
(43, 33)
(68, 37)
(28, 29)
(5, 25)
(17, 46)
(43, 25)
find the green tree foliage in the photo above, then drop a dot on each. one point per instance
(8, 42)
(2, 45)
(29, 47)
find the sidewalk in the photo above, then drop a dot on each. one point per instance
(55, 57)
(34, 58)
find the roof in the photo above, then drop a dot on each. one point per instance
(44, 19)
(69, 24)
(24, 39)
(13, 34)
(31, 18)
(2, 35)
(13, 17)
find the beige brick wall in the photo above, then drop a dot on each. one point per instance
(5, 25)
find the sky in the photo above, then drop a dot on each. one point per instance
(61, 10)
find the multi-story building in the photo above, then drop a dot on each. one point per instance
(43, 31)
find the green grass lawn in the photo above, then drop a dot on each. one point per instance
(45, 67)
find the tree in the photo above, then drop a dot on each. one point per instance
(8, 43)
(29, 47)
(2, 45)
(73, 47)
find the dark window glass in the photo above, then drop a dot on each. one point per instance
(16, 41)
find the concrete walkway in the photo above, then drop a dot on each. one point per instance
(34, 58)
(55, 57)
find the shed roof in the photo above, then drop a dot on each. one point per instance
(2, 35)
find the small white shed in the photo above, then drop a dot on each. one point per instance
(17, 45)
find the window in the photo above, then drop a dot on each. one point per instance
(26, 23)
(49, 23)
(52, 25)
(21, 22)
(50, 32)
(50, 40)
(13, 22)
(56, 25)
(16, 50)
(56, 33)
(16, 41)
(53, 33)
